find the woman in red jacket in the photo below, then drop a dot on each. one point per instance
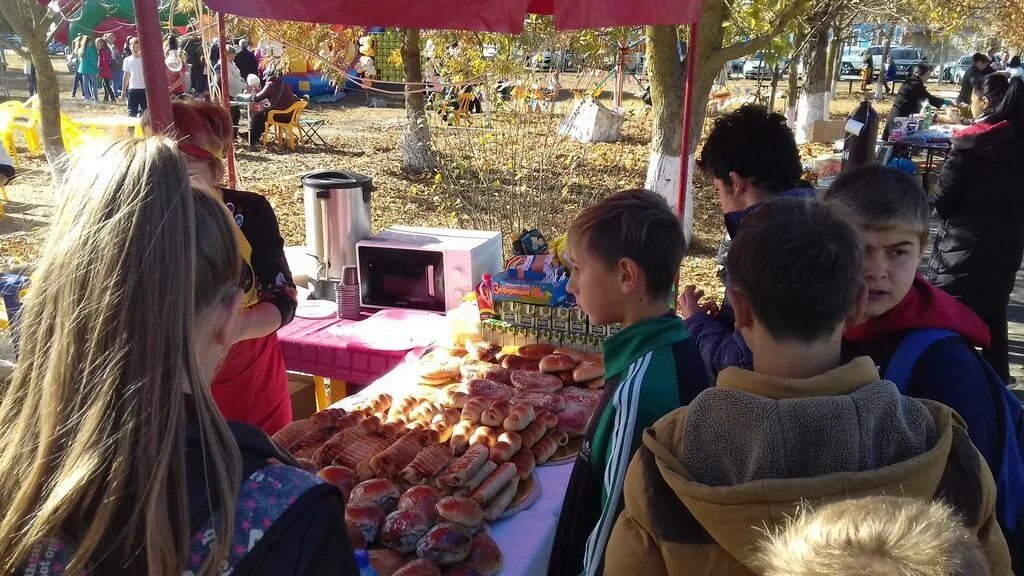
(251, 385)
(106, 70)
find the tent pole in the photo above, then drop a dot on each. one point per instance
(225, 94)
(684, 148)
(158, 93)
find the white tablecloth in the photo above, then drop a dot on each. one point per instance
(525, 539)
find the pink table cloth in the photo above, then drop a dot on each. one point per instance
(309, 347)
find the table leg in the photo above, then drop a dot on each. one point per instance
(320, 388)
(339, 390)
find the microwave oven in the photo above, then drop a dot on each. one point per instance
(424, 268)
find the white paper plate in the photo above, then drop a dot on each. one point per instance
(316, 309)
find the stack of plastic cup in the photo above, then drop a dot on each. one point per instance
(347, 293)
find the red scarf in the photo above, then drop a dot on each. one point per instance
(925, 306)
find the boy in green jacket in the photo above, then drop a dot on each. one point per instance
(626, 251)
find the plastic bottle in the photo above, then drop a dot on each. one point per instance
(363, 561)
(485, 298)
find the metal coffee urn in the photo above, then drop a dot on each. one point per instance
(861, 137)
(337, 206)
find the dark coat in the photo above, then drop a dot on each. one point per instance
(246, 62)
(967, 83)
(909, 100)
(980, 199)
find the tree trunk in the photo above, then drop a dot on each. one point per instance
(417, 154)
(816, 82)
(22, 15)
(666, 77)
(793, 93)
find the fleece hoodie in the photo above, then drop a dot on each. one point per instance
(651, 368)
(711, 477)
(950, 371)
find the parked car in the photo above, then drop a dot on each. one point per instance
(549, 61)
(955, 70)
(55, 48)
(906, 58)
(757, 67)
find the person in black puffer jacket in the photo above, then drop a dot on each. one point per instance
(980, 199)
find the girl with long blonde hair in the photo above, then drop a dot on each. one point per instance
(115, 458)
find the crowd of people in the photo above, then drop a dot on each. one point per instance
(101, 67)
(838, 413)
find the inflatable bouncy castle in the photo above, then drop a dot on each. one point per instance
(96, 17)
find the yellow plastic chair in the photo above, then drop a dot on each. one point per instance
(70, 133)
(24, 118)
(462, 113)
(292, 129)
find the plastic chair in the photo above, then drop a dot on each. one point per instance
(70, 133)
(463, 110)
(24, 118)
(292, 128)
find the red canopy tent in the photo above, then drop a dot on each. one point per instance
(479, 15)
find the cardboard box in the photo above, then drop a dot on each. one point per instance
(598, 330)
(531, 289)
(578, 321)
(300, 388)
(542, 319)
(528, 315)
(614, 329)
(828, 131)
(509, 312)
(560, 319)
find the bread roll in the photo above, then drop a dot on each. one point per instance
(534, 432)
(483, 435)
(525, 463)
(554, 363)
(460, 437)
(462, 511)
(402, 529)
(545, 448)
(494, 416)
(519, 417)
(496, 507)
(445, 544)
(474, 408)
(419, 567)
(494, 483)
(576, 355)
(548, 419)
(385, 562)
(507, 445)
(535, 351)
(588, 370)
(423, 499)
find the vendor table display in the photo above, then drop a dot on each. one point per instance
(429, 455)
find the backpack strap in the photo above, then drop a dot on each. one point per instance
(263, 498)
(49, 557)
(913, 345)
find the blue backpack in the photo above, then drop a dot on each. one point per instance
(1009, 473)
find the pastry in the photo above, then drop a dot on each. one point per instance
(536, 381)
(426, 464)
(402, 529)
(465, 466)
(519, 417)
(367, 516)
(385, 562)
(554, 363)
(535, 351)
(534, 432)
(460, 437)
(545, 401)
(473, 369)
(377, 491)
(483, 435)
(423, 499)
(496, 507)
(489, 390)
(475, 407)
(343, 478)
(576, 355)
(293, 432)
(419, 567)
(460, 510)
(588, 370)
(525, 463)
(445, 544)
(494, 483)
(494, 416)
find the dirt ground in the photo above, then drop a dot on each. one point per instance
(365, 139)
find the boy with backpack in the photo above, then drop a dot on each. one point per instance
(801, 427)
(625, 252)
(922, 339)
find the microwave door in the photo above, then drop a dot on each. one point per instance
(402, 278)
